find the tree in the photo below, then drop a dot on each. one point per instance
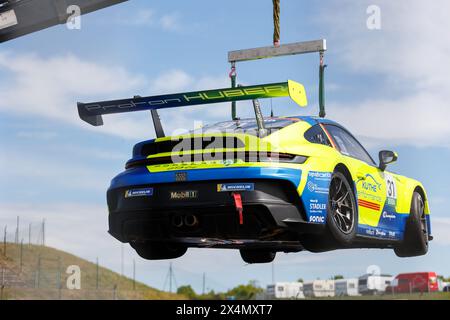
(338, 277)
(300, 280)
(187, 291)
(244, 292)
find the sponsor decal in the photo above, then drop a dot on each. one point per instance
(315, 206)
(183, 195)
(221, 95)
(391, 190)
(142, 192)
(369, 205)
(232, 187)
(370, 184)
(181, 176)
(320, 175)
(379, 232)
(317, 219)
(315, 196)
(315, 188)
(389, 216)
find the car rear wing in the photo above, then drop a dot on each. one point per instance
(92, 112)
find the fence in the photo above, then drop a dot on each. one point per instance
(30, 270)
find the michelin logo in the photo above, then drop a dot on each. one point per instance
(144, 192)
(232, 187)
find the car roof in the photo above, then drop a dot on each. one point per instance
(312, 120)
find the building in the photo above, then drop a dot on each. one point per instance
(346, 287)
(374, 284)
(285, 290)
(319, 289)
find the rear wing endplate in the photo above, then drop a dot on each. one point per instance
(92, 112)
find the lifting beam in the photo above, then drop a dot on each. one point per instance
(317, 46)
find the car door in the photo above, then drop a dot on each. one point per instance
(370, 182)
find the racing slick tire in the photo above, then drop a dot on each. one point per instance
(158, 250)
(415, 240)
(342, 216)
(257, 256)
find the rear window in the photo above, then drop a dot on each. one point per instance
(316, 135)
(247, 126)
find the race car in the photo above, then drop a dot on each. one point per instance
(262, 185)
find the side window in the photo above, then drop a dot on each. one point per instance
(348, 145)
(315, 134)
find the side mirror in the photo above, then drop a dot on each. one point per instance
(387, 157)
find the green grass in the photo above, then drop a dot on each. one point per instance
(53, 268)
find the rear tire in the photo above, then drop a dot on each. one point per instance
(159, 250)
(415, 240)
(342, 217)
(257, 256)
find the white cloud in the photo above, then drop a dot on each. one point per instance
(410, 103)
(143, 17)
(441, 230)
(171, 81)
(50, 87)
(170, 21)
(147, 17)
(58, 174)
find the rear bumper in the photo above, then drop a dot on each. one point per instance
(273, 210)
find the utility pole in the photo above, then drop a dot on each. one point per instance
(134, 274)
(43, 232)
(17, 231)
(121, 259)
(4, 241)
(21, 255)
(29, 234)
(39, 272)
(170, 277)
(59, 279)
(204, 283)
(96, 275)
(273, 272)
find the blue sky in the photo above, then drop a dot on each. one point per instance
(390, 87)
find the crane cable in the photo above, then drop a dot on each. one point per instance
(276, 43)
(276, 23)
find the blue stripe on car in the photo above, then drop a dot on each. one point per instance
(141, 175)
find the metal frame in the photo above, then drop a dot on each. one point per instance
(283, 50)
(315, 46)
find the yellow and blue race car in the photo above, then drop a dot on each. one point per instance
(262, 185)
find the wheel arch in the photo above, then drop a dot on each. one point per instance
(342, 168)
(421, 190)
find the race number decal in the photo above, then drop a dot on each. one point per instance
(391, 189)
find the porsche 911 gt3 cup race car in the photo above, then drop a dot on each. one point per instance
(262, 185)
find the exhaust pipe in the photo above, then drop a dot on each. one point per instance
(190, 220)
(177, 221)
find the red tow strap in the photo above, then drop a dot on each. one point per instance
(239, 208)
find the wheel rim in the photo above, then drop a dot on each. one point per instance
(341, 205)
(423, 218)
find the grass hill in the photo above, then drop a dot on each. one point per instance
(38, 272)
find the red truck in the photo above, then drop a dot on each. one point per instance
(414, 282)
